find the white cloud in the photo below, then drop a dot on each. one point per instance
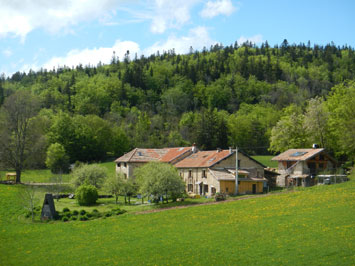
(7, 52)
(197, 38)
(19, 17)
(257, 39)
(93, 56)
(219, 7)
(170, 14)
(163, 14)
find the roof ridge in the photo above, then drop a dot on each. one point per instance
(133, 153)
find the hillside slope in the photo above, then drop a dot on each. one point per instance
(313, 226)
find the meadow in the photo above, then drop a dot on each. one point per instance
(266, 160)
(310, 226)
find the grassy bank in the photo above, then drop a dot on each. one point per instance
(266, 160)
(313, 226)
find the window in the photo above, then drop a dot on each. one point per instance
(298, 153)
(321, 157)
(190, 188)
(226, 190)
(238, 182)
(190, 173)
(204, 174)
(125, 164)
(238, 163)
(205, 188)
(118, 164)
(213, 190)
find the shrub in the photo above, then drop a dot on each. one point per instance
(108, 214)
(57, 160)
(73, 218)
(95, 213)
(65, 218)
(75, 212)
(84, 218)
(220, 197)
(82, 212)
(66, 210)
(117, 211)
(86, 195)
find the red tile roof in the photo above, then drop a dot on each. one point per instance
(147, 155)
(226, 175)
(174, 153)
(297, 154)
(203, 159)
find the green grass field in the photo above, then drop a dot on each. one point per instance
(311, 226)
(45, 175)
(266, 160)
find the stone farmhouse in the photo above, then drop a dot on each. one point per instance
(299, 167)
(204, 172)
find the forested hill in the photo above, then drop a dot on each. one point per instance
(256, 97)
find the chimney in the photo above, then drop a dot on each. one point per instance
(194, 148)
(219, 150)
(315, 146)
(230, 150)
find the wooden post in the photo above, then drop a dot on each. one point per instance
(236, 171)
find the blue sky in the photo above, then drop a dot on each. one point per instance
(51, 33)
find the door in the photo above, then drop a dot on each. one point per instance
(254, 188)
(312, 168)
(205, 187)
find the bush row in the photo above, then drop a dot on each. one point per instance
(82, 215)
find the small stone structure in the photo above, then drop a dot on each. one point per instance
(48, 209)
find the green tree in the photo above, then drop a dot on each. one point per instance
(316, 121)
(211, 130)
(89, 174)
(2, 79)
(289, 132)
(114, 184)
(57, 160)
(120, 141)
(160, 180)
(341, 106)
(129, 188)
(62, 131)
(142, 130)
(18, 134)
(250, 127)
(84, 138)
(176, 101)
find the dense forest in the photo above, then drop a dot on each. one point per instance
(262, 99)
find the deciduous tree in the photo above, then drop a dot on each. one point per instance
(160, 180)
(18, 134)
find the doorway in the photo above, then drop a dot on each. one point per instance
(254, 188)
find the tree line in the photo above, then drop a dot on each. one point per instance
(242, 94)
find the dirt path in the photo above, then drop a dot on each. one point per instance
(210, 203)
